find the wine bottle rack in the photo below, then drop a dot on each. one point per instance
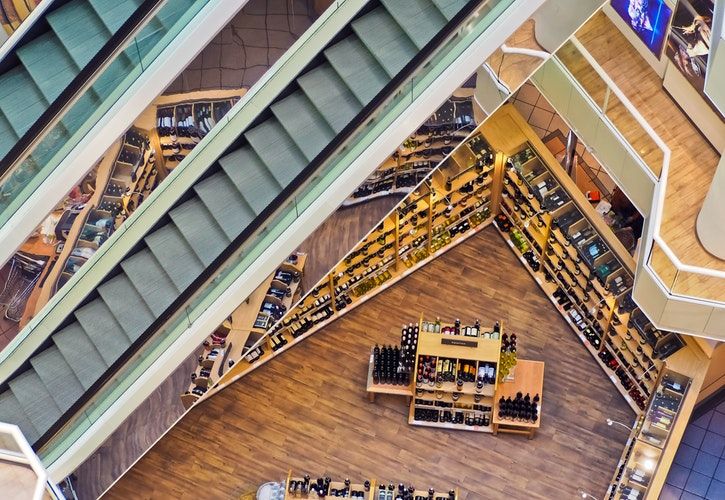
(181, 126)
(553, 230)
(420, 153)
(88, 231)
(649, 437)
(444, 395)
(237, 338)
(307, 488)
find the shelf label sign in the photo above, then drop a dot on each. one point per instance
(459, 342)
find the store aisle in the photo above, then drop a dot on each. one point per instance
(307, 410)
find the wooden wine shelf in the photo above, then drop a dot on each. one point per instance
(241, 332)
(370, 494)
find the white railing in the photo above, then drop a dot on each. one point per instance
(660, 180)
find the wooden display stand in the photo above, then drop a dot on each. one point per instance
(460, 349)
(395, 390)
(528, 377)
(334, 485)
(371, 494)
(240, 333)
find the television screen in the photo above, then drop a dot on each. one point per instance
(648, 19)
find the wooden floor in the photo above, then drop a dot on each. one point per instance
(693, 161)
(307, 408)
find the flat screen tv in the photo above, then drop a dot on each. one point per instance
(649, 19)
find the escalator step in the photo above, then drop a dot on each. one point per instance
(450, 8)
(420, 19)
(358, 68)
(35, 400)
(330, 95)
(12, 413)
(21, 100)
(104, 331)
(81, 44)
(80, 354)
(127, 305)
(385, 39)
(199, 228)
(150, 280)
(277, 150)
(8, 137)
(58, 377)
(175, 255)
(48, 64)
(114, 13)
(303, 123)
(225, 203)
(251, 177)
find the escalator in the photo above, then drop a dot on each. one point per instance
(70, 66)
(36, 72)
(363, 65)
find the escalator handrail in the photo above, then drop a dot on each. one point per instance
(20, 34)
(74, 90)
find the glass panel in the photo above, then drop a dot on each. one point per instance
(584, 73)
(605, 99)
(18, 184)
(662, 266)
(635, 135)
(699, 286)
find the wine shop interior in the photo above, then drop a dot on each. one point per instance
(368, 249)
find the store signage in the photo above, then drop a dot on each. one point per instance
(459, 342)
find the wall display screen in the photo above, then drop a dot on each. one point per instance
(688, 45)
(648, 19)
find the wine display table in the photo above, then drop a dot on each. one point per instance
(307, 487)
(528, 377)
(463, 362)
(373, 388)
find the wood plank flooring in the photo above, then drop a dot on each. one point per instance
(307, 409)
(693, 161)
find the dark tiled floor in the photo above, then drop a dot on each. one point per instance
(699, 468)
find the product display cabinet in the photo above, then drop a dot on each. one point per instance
(248, 324)
(460, 377)
(649, 437)
(420, 153)
(181, 126)
(307, 487)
